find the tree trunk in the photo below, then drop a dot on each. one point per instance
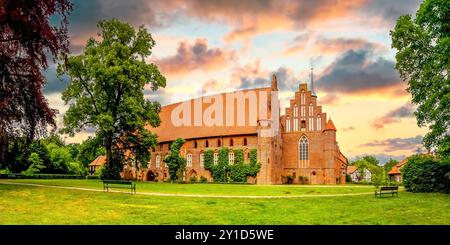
(109, 162)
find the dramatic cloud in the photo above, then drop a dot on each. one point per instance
(245, 18)
(251, 76)
(358, 71)
(388, 10)
(395, 144)
(338, 45)
(86, 14)
(54, 84)
(197, 56)
(394, 116)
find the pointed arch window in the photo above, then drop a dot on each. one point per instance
(231, 142)
(295, 110)
(288, 124)
(231, 158)
(189, 160)
(195, 144)
(311, 109)
(202, 160)
(219, 143)
(206, 143)
(245, 141)
(303, 97)
(319, 123)
(303, 151)
(216, 158)
(158, 161)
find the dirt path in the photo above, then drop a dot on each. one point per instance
(185, 195)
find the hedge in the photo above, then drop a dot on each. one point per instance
(43, 176)
(426, 174)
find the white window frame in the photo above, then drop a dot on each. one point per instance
(319, 123)
(288, 124)
(311, 124)
(189, 160)
(231, 158)
(158, 161)
(295, 124)
(202, 160)
(303, 151)
(216, 158)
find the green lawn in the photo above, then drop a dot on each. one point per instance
(43, 205)
(214, 189)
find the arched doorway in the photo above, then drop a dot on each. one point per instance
(191, 174)
(150, 176)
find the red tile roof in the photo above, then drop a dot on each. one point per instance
(99, 161)
(169, 132)
(351, 169)
(396, 169)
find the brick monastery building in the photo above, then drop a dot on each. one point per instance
(304, 144)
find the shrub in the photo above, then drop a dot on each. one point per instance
(92, 177)
(44, 176)
(77, 168)
(193, 179)
(36, 164)
(303, 179)
(99, 171)
(348, 178)
(203, 179)
(289, 179)
(426, 174)
(4, 173)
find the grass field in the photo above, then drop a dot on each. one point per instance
(214, 189)
(44, 205)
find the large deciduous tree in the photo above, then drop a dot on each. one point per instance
(26, 39)
(106, 92)
(423, 60)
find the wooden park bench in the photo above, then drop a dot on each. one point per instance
(119, 184)
(387, 190)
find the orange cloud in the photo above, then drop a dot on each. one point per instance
(394, 116)
(192, 57)
(251, 17)
(330, 99)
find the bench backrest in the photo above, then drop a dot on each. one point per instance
(123, 182)
(388, 188)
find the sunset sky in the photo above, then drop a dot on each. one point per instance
(219, 46)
